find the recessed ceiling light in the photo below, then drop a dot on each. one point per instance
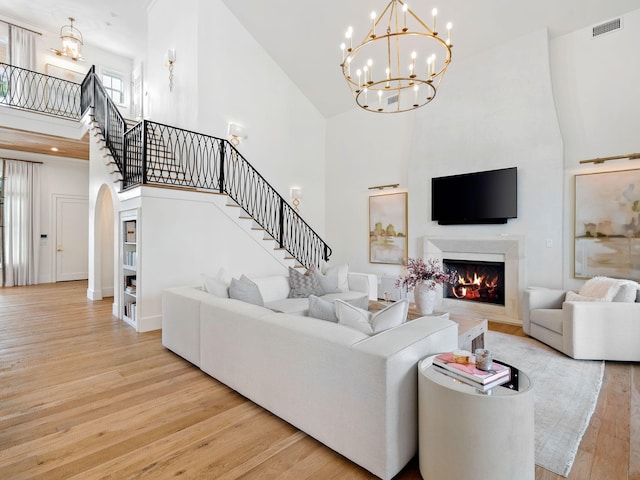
(54, 149)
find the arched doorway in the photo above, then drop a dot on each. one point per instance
(102, 247)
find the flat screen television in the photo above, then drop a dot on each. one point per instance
(488, 197)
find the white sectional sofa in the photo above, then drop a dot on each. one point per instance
(355, 393)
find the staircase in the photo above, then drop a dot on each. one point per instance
(150, 153)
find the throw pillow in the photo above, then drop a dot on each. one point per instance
(627, 292)
(329, 282)
(322, 309)
(326, 310)
(245, 290)
(372, 323)
(217, 285)
(343, 274)
(600, 287)
(301, 285)
(576, 297)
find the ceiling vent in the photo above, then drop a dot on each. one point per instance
(393, 99)
(607, 27)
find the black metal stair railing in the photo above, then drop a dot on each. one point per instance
(106, 115)
(29, 90)
(153, 153)
(166, 155)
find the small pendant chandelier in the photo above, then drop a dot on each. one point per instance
(71, 42)
(400, 62)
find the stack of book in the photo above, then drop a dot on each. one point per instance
(469, 374)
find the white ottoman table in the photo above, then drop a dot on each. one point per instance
(468, 434)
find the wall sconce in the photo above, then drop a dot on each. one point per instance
(236, 133)
(171, 59)
(296, 196)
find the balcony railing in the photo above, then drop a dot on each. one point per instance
(29, 90)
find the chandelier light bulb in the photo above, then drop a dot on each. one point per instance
(434, 12)
(405, 7)
(373, 24)
(359, 73)
(366, 97)
(449, 27)
(379, 100)
(370, 65)
(349, 35)
(343, 47)
(415, 95)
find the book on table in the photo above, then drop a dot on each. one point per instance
(469, 372)
(505, 379)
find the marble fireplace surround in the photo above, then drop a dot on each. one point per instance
(508, 249)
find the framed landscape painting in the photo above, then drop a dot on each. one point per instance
(388, 228)
(607, 225)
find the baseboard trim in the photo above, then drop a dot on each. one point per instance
(147, 324)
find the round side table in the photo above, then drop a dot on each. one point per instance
(467, 434)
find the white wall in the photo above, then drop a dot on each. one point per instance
(497, 111)
(363, 150)
(58, 176)
(596, 94)
(183, 235)
(223, 75)
(494, 110)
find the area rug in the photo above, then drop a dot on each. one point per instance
(565, 395)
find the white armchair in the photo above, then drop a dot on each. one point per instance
(593, 330)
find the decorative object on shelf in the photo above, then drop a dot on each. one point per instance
(630, 156)
(71, 42)
(171, 59)
(607, 225)
(296, 196)
(388, 228)
(423, 278)
(400, 62)
(236, 133)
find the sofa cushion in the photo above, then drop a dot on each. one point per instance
(325, 309)
(293, 306)
(302, 285)
(576, 297)
(217, 285)
(372, 323)
(246, 291)
(549, 318)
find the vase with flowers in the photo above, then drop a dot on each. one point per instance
(423, 278)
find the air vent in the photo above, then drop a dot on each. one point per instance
(392, 100)
(607, 27)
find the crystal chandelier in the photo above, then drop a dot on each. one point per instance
(71, 41)
(400, 62)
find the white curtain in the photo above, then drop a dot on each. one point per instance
(21, 223)
(22, 53)
(22, 48)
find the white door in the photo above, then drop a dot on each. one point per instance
(72, 238)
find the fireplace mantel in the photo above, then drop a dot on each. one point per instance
(506, 248)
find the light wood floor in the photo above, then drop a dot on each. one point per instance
(83, 396)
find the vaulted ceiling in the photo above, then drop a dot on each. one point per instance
(303, 37)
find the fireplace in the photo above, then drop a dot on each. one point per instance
(505, 250)
(475, 281)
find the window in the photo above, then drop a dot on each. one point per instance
(114, 86)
